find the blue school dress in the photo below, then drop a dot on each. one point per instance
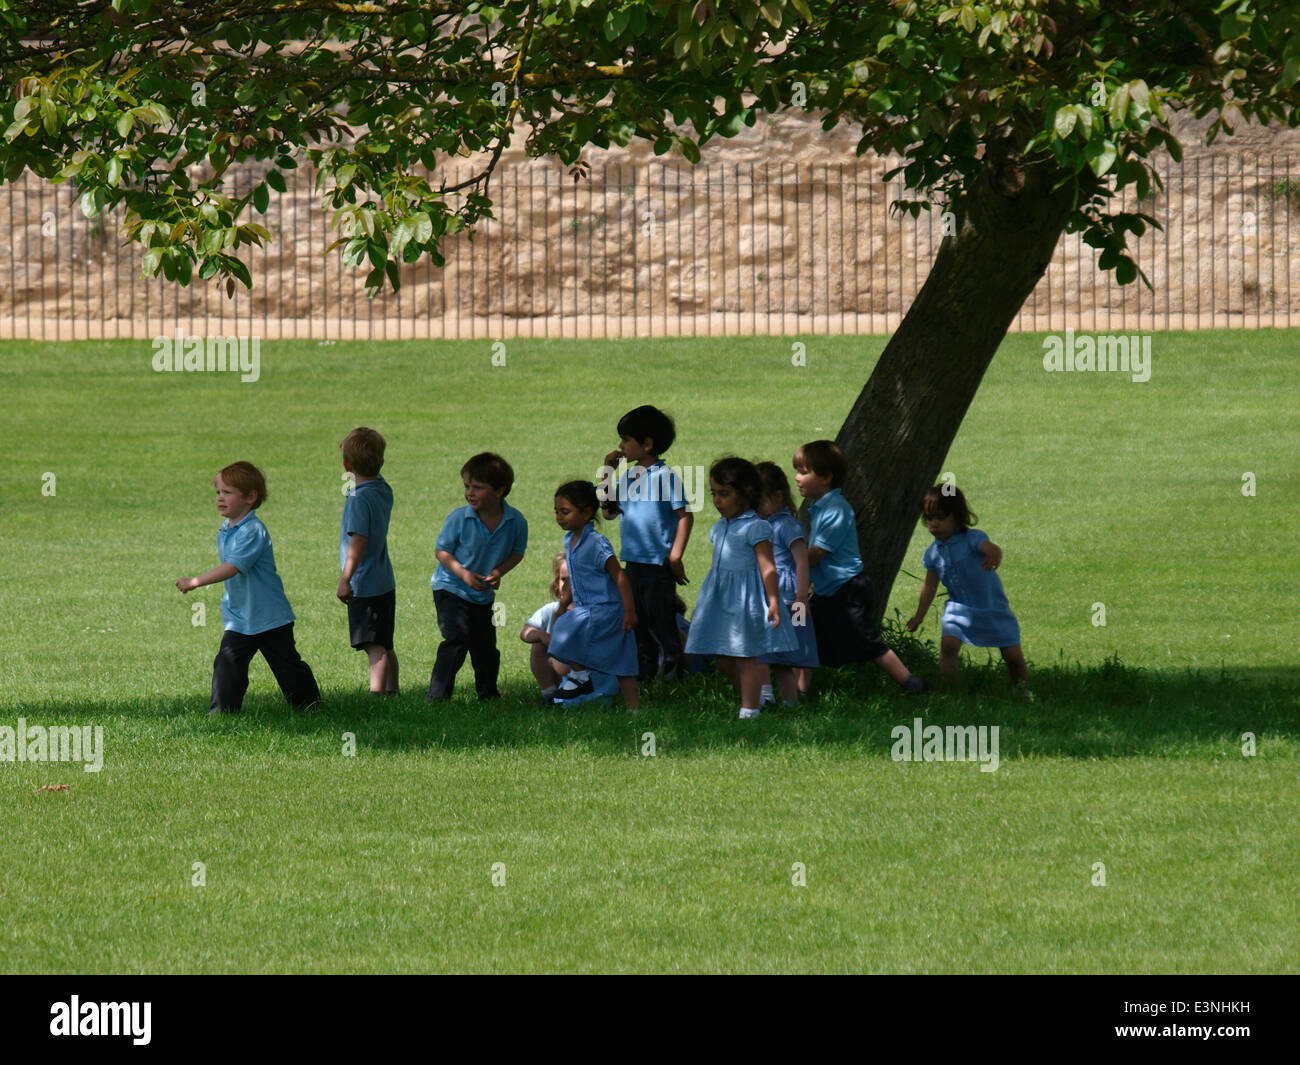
(590, 633)
(731, 613)
(785, 531)
(977, 612)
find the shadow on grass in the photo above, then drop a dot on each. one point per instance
(1111, 710)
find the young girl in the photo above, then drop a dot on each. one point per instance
(790, 553)
(595, 620)
(739, 614)
(537, 633)
(965, 560)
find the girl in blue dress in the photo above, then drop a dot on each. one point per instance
(966, 560)
(793, 670)
(739, 615)
(595, 621)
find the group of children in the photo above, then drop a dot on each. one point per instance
(776, 603)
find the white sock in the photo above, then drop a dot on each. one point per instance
(549, 691)
(765, 695)
(749, 711)
(579, 676)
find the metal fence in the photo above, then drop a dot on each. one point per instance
(658, 250)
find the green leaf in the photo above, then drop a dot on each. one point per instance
(261, 198)
(1065, 120)
(114, 171)
(1126, 271)
(151, 261)
(125, 123)
(1102, 158)
(772, 13)
(802, 8)
(394, 275)
(375, 279)
(276, 180)
(49, 114)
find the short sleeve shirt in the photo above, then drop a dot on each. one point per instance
(253, 600)
(543, 618)
(366, 512)
(588, 578)
(466, 538)
(835, 531)
(649, 498)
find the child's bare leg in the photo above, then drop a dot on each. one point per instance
(949, 660)
(749, 680)
(560, 668)
(893, 665)
(803, 679)
(383, 662)
(628, 689)
(787, 685)
(1016, 665)
(540, 663)
(727, 667)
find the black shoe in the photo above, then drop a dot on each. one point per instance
(218, 711)
(585, 688)
(915, 685)
(489, 697)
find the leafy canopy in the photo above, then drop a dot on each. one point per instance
(148, 103)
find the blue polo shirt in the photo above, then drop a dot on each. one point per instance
(366, 513)
(835, 531)
(467, 539)
(253, 600)
(649, 498)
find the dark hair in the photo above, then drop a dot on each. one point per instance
(824, 458)
(946, 501)
(363, 451)
(776, 486)
(492, 470)
(244, 478)
(582, 494)
(649, 422)
(741, 475)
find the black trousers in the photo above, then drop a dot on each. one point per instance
(653, 593)
(230, 669)
(466, 629)
(842, 622)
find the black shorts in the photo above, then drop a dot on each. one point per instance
(845, 632)
(371, 619)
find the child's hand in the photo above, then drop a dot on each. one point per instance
(993, 556)
(612, 459)
(187, 584)
(475, 581)
(915, 622)
(493, 579)
(629, 620)
(345, 589)
(679, 571)
(774, 612)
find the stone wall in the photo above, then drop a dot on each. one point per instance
(780, 230)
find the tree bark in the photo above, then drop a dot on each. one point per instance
(899, 431)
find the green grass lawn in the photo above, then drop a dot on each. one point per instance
(1099, 489)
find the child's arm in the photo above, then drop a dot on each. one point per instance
(799, 552)
(356, 549)
(992, 554)
(609, 508)
(493, 579)
(928, 589)
(816, 554)
(449, 562)
(624, 590)
(214, 576)
(685, 519)
(531, 635)
(771, 585)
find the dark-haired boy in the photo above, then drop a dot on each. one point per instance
(841, 599)
(478, 545)
(367, 584)
(654, 528)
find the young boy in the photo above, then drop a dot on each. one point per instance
(367, 585)
(841, 599)
(654, 530)
(478, 545)
(254, 611)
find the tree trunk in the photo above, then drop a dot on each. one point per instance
(901, 427)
